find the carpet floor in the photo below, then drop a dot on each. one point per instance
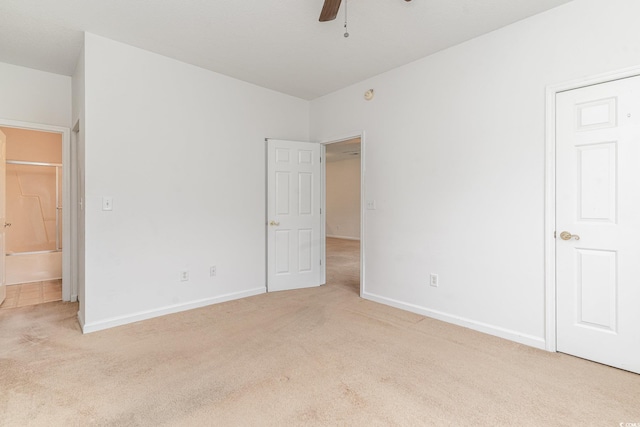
(319, 356)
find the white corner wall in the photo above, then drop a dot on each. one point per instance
(77, 183)
(33, 96)
(455, 162)
(343, 199)
(181, 152)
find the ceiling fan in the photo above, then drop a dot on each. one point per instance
(330, 10)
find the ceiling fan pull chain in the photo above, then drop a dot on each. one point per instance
(346, 30)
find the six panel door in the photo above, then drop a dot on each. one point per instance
(293, 215)
(598, 209)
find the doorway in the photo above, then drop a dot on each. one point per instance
(343, 213)
(296, 213)
(37, 263)
(33, 197)
(595, 218)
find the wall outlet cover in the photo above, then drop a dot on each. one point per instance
(433, 280)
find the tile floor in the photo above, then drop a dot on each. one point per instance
(32, 293)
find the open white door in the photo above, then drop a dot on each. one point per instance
(598, 223)
(3, 215)
(293, 215)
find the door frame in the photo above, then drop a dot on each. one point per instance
(323, 192)
(69, 277)
(550, 190)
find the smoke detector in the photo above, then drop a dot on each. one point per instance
(368, 95)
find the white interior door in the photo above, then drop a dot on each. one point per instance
(3, 214)
(293, 215)
(598, 206)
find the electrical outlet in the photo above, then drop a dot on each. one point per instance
(184, 276)
(212, 271)
(433, 280)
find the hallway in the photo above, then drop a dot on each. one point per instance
(343, 263)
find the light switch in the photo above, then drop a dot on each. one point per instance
(371, 205)
(107, 203)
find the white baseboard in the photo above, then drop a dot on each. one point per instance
(497, 331)
(144, 315)
(342, 237)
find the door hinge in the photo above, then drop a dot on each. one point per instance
(320, 210)
(320, 262)
(320, 159)
(554, 234)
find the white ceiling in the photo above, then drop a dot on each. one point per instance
(277, 44)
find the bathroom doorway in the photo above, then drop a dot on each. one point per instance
(34, 216)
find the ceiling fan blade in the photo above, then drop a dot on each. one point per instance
(329, 10)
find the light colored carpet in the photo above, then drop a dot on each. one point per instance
(320, 356)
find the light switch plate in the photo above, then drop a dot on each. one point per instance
(107, 203)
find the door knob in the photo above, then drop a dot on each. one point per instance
(565, 235)
(7, 224)
(274, 223)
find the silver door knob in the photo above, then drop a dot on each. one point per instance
(274, 223)
(565, 235)
(7, 224)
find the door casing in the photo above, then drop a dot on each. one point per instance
(68, 245)
(550, 190)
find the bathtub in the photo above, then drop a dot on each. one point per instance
(33, 267)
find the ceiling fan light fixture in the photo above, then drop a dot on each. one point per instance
(329, 10)
(346, 30)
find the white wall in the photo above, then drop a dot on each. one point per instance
(181, 151)
(33, 96)
(455, 162)
(78, 83)
(343, 198)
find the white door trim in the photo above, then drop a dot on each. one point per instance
(550, 190)
(66, 197)
(325, 142)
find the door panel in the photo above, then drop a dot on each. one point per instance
(293, 215)
(597, 288)
(598, 203)
(597, 182)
